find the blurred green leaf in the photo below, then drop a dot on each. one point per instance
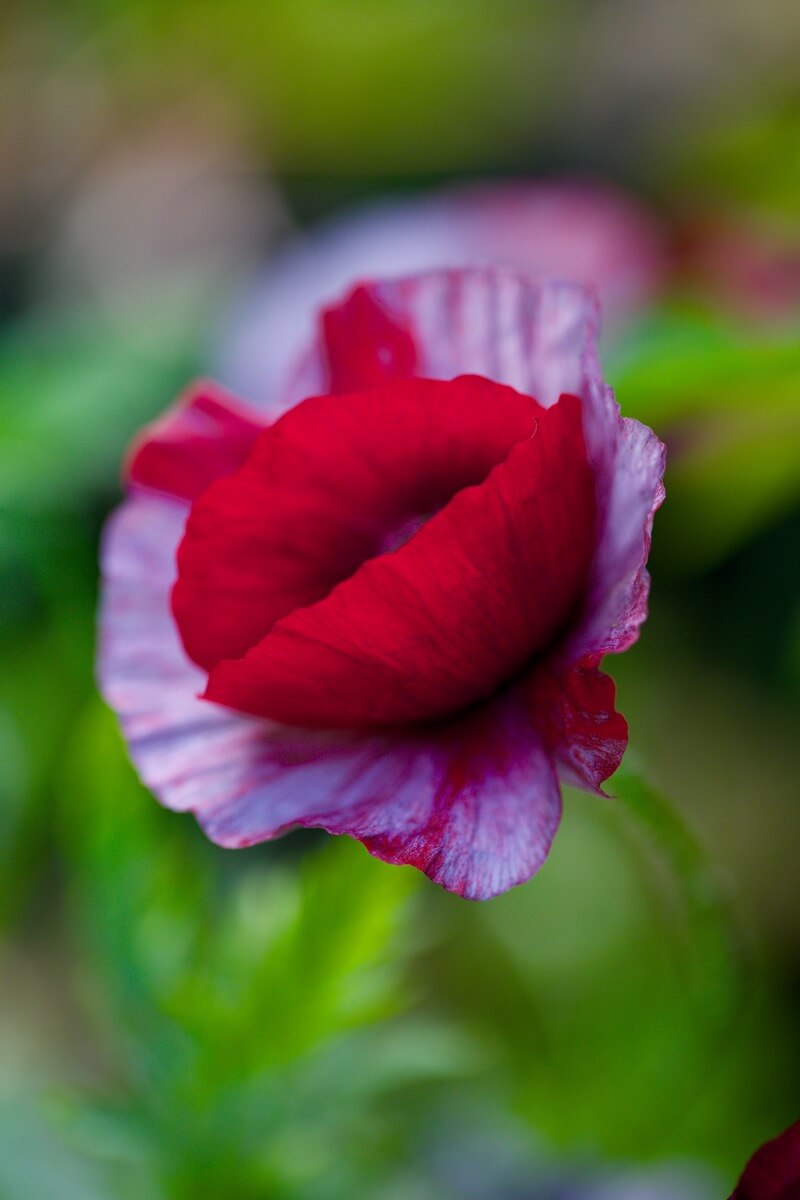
(46, 650)
(246, 990)
(321, 82)
(612, 986)
(682, 361)
(750, 158)
(74, 390)
(713, 949)
(34, 1162)
(727, 401)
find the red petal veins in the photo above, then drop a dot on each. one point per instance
(448, 618)
(207, 434)
(324, 489)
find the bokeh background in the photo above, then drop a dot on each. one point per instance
(298, 1020)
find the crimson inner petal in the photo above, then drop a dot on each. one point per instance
(333, 483)
(448, 618)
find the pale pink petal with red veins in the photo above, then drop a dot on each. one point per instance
(475, 808)
(487, 322)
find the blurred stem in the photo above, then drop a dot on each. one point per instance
(715, 951)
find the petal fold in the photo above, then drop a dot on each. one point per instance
(449, 617)
(324, 489)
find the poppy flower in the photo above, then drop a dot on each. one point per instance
(773, 1173)
(383, 613)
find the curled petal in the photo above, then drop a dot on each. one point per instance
(450, 616)
(364, 345)
(326, 487)
(629, 461)
(574, 710)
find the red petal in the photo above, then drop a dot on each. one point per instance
(364, 344)
(574, 710)
(453, 614)
(773, 1173)
(325, 487)
(207, 434)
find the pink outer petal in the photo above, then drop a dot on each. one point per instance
(476, 809)
(573, 229)
(542, 340)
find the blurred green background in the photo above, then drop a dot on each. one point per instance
(298, 1020)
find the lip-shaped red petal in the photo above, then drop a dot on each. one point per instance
(328, 486)
(444, 621)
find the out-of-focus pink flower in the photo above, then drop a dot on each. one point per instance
(587, 233)
(394, 599)
(742, 265)
(773, 1173)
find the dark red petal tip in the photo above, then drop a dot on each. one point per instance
(205, 435)
(773, 1173)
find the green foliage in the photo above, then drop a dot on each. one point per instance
(245, 993)
(726, 398)
(46, 650)
(751, 159)
(36, 1163)
(627, 1030)
(74, 390)
(356, 86)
